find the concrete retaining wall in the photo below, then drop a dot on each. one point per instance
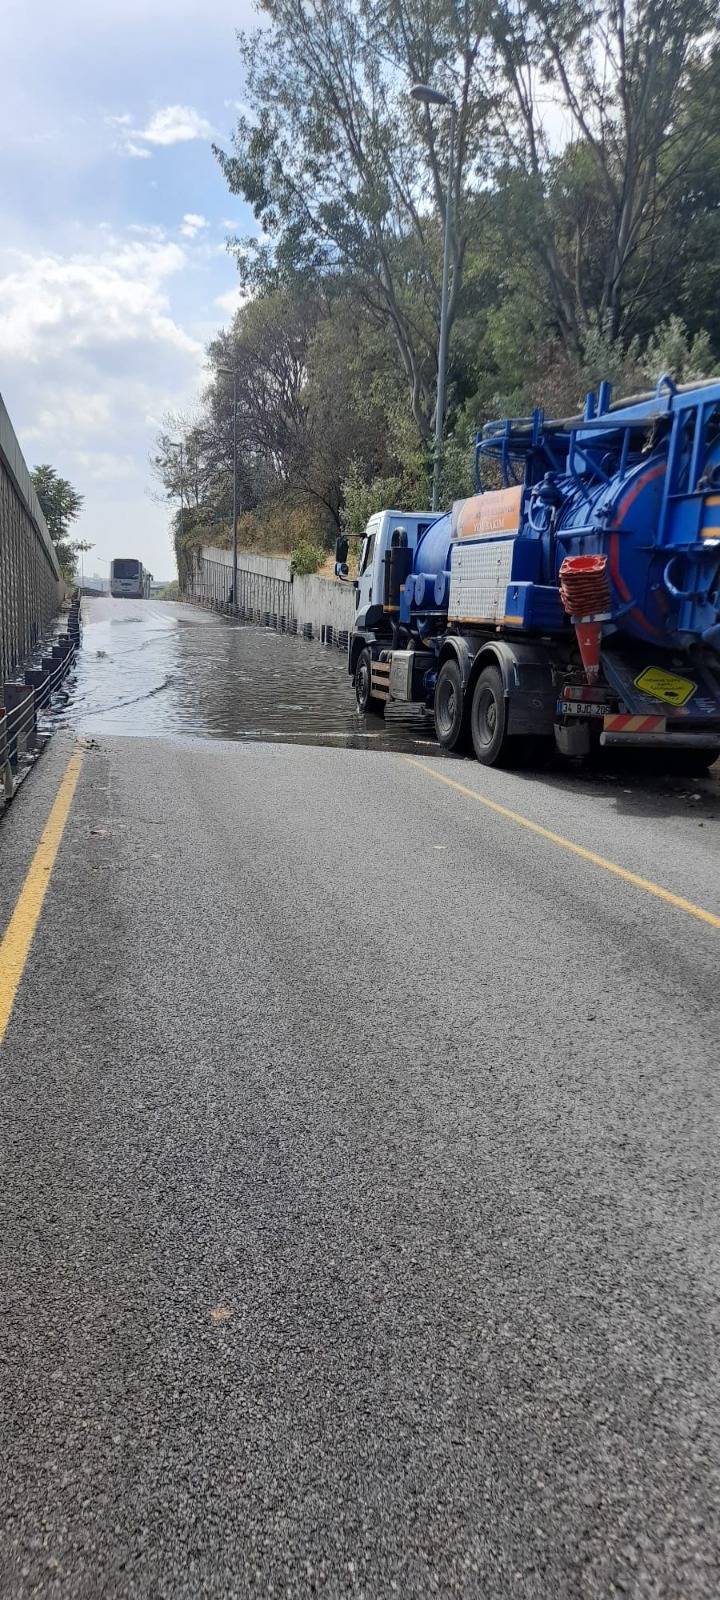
(316, 608)
(324, 602)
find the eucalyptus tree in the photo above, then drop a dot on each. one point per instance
(347, 176)
(603, 110)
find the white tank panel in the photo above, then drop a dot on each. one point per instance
(479, 576)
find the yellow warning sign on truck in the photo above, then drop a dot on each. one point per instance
(665, 686)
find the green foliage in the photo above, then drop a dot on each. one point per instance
(61, 505)
(362, 498)
(672, 349)
(591, 252)
(170, 591)
(306, 559)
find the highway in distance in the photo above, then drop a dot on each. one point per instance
(359, 1203)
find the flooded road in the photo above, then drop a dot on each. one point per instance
(163, 670)
(155, 668)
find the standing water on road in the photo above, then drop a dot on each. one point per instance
(156, 668)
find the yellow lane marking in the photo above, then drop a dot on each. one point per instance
(568, 844)
(20, 931)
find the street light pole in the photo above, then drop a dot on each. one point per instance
(433, 97)
(444, 330)
(231, 372)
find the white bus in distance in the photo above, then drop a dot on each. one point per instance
(128, 579)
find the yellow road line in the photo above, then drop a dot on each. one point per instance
(568, 844)
(20, 931)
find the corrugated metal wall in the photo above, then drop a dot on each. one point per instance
(30, 583)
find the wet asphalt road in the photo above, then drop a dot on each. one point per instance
(359, 1216)
(168, 670)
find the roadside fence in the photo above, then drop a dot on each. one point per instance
(23, 699)
(314, 608)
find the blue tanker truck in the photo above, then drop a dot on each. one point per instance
(574, 602)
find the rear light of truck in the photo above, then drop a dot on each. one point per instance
(588, 693)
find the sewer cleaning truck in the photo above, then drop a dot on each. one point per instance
(574, 602)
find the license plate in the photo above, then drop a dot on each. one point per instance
(583, 708)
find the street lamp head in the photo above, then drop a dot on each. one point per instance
(428, 96)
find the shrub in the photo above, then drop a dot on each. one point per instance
(306, 558)
(170, 592)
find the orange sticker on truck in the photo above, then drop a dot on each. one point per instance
(498, 511)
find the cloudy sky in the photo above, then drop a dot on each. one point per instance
(113, 220)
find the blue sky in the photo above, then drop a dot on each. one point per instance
(113, 220)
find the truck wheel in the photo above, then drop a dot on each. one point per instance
(367, 703)
(488, 720)
(449, 708)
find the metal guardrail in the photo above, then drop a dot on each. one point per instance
(262, 598)
(21, 700)
(259, 597)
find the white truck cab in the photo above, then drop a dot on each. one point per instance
(376, 541)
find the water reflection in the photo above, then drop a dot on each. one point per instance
(169, 670)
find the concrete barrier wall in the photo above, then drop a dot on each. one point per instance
(324, 603)
(317, 608)
(31, 588)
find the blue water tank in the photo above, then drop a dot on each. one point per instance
(433, 550)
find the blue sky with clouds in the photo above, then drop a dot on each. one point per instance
(113, 220)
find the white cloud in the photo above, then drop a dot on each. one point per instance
(232, 300)
(92, 354)
(84, 410)
(174, 125)
(171, 125)
(55, 304)
(241, 106)
(193, 223)
(103, 466)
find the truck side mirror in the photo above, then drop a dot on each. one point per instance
(341, 553)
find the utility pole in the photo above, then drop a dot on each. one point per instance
(231, 372)
(433, 97)
(82, 547)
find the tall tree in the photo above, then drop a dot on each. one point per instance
(346, 174)
(61, 505)
(617, 77)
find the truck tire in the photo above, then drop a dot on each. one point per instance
(367, 703)
(449, 709)
(488, 725)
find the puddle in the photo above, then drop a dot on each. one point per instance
(148, 668)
